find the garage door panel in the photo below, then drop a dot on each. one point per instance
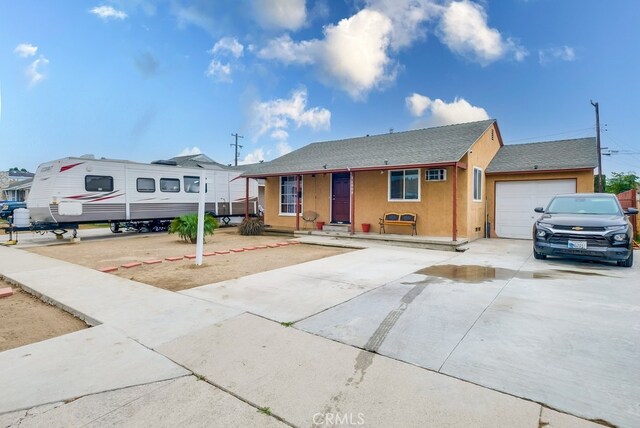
(516, 200)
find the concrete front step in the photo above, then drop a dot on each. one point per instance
(364, 240)
(336, 227)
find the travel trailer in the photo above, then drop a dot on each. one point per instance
(135, 195)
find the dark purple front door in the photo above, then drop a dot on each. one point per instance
(340, 198)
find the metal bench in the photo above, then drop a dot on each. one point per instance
(396, 219)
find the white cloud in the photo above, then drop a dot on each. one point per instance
(34, 71)
(352, 55)
(280, 134)
(219, 72)
(194, 15)
(280, 14)
(276, 116)
(283, 148)
(407, 17)
(286, 50)
(228, 44)
(562, 53)
(417, 104)
(25, 50)
(443, 113)
(464, 29)
(189, 151)
(355, 52)
(254, 157)
(107, 12)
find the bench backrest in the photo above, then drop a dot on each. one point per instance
(408, 217)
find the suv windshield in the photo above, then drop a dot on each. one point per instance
(582, 205)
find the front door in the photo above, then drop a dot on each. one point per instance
(340, 198)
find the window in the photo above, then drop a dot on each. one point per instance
(169, 185)
(404, 185)
(98, 183)
(288, 193)
(436, 175)
(146, 185)
(191, 184)
(477, 184)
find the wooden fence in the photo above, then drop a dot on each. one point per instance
(629, 199)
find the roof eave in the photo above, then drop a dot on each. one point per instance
(358, 169)
(537, 171)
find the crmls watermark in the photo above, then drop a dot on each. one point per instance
(338, 419)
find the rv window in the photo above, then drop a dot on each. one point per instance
(146, 185)
(98, 183)
(191, 184)
(169, 185)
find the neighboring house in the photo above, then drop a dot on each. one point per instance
(11, 184)
(524, 176)
(197, 160)
(18, 191)
(438, 173)
(202, 160)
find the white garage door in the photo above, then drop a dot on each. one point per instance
(515, 201)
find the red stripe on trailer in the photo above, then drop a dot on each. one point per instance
(68, 167)
(104, 198)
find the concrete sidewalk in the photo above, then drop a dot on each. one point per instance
(133, 369)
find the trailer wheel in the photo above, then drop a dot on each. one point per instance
(115, 227)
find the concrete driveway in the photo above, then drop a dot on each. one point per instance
(559, 332)
(472, 339)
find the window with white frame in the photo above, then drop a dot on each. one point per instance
(404, 185)
(477, 184)
(439, 174)
(288, 195)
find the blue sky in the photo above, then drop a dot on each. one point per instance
(145, 80)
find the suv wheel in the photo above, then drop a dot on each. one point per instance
(628, 262)
(538, 256)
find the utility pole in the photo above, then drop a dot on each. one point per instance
(600, 189)
(237, 146)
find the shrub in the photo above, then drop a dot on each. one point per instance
(186, 226)
(251, 226)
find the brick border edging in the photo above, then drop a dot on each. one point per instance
(153, 262)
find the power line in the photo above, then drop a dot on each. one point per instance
(237, 146)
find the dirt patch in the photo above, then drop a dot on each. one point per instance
(183, 274)
(25, 319)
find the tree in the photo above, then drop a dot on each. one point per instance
(621, 182)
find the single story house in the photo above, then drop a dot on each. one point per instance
(439, 174)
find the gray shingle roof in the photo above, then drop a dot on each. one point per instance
(442, 144)
(580, 153)
(199, 161)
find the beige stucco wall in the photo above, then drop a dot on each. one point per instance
(371, 201)
(434, 208)
(473, 220)
(315, 197)
(584, 184)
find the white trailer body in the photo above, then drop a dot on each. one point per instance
(82, 190)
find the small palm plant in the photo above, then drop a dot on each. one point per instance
(251, 226)
(186, 226)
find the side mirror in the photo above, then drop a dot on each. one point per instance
(631, 211)
(539, 210)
